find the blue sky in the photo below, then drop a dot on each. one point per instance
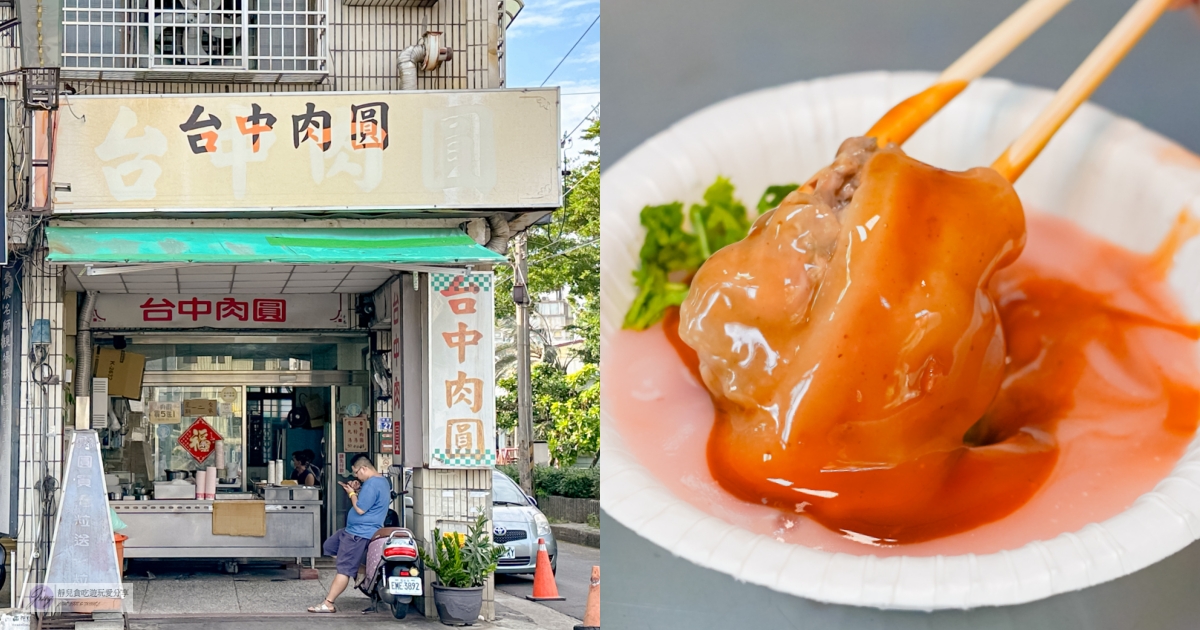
(538, 39)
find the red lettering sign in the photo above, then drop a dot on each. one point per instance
(231, 308)
(270, 311)
(462, 306)
(458, 286)
(193, 307)
(152, 312)
(462, 338)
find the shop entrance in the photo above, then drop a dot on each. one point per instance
(266, 399)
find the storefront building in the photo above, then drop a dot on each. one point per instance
(238, 240)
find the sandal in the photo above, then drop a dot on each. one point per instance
(325, 607)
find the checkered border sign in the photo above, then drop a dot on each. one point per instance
(457, 458)
(442, 281)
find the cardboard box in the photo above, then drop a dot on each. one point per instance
(123, 369)
(239, 518)
(199, 407)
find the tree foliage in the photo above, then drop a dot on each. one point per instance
(566, 410)
(565, 252)
(562, 253)
(575, 428)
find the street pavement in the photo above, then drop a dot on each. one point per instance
(192, 596)
(574, 576)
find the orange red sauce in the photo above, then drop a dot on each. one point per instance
(1022, 378)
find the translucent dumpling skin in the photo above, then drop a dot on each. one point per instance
(849, 349)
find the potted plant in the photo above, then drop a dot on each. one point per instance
(462, 563)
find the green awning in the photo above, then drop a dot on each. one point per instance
(265, 245)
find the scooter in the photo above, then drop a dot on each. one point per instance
(393, 574)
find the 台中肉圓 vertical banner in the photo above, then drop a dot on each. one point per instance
(462, 411)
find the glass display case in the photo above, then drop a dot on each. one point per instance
(229, 422)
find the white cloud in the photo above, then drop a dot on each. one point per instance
(574, 108)
(588, 54)
(539, 15)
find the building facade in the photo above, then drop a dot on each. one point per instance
(287, 211)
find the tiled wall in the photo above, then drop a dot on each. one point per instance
(451, 500)
(364, 42)
(363, 45)
(40, 419)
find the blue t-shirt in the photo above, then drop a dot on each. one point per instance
(373, 499)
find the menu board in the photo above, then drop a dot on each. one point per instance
(163, 413)
(355, 432)
(199, 407)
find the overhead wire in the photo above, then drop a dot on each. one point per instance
(560, 61)
(580, 124)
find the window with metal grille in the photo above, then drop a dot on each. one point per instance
(141, 39)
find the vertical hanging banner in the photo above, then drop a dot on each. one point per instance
(397, 409)
(10, 392)
(462, 410)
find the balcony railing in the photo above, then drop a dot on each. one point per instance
(195, 40)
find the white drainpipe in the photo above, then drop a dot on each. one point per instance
(410, 59)
(427, 55)
(501, 233)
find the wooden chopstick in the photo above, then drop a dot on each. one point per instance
(1086, 78)
(903, 120)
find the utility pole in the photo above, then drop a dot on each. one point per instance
(524, 383)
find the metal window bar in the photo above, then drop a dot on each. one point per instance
(246, 35)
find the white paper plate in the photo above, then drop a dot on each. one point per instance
(1108, 174)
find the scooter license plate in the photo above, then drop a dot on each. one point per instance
(404, 585)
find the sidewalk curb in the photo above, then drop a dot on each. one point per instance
(577, 533)
(542, 616)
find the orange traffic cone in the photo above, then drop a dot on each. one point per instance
(544, 587)
(591, 614)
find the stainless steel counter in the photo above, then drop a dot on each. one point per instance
(183, 529)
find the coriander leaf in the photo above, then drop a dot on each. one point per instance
(721, 220)
(655, 295)
(774, 195)
(667, 248)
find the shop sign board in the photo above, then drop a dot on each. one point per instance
(490, 149)
(462, 414)
(199, 440)
(120, 311)
(83, 560)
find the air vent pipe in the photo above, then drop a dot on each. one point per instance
(83, 348)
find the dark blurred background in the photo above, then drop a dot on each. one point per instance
(664, 59)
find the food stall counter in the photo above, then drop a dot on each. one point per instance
(183, 528)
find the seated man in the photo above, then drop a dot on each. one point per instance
(369, 506)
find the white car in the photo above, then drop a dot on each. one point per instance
(518, 524)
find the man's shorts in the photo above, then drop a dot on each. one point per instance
(350, 550)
